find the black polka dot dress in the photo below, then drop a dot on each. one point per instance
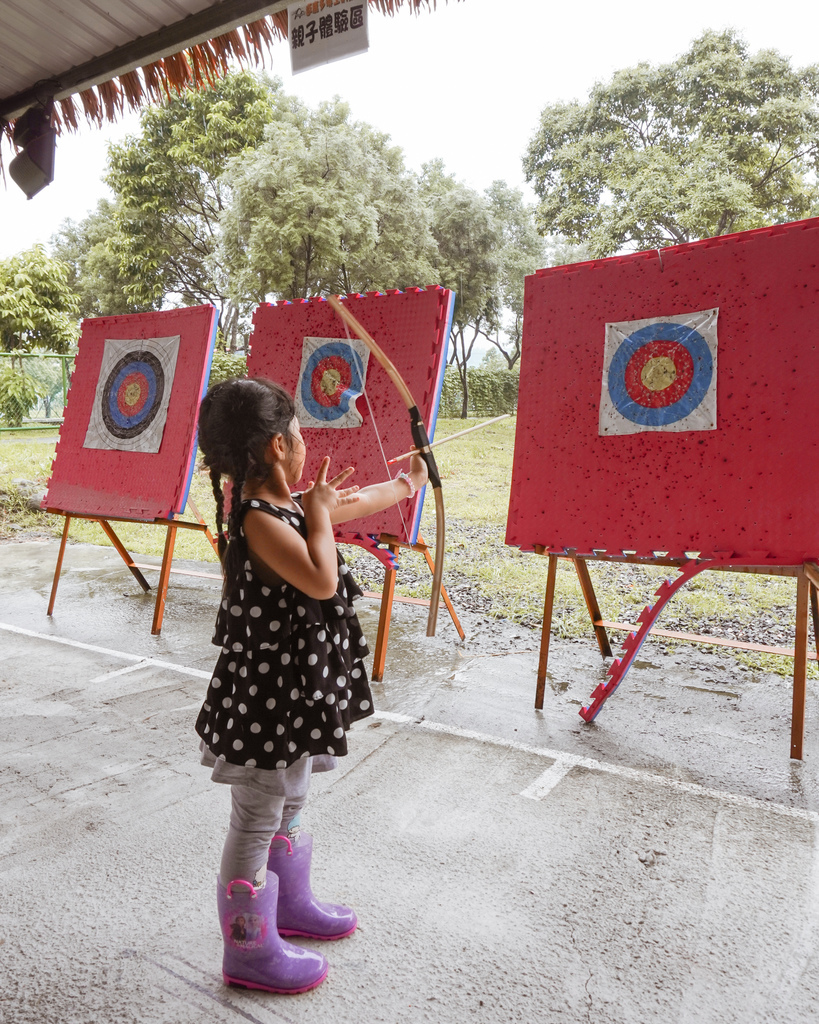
(290, 678)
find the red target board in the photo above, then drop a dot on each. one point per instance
(346, 404)
(127, 443)
(667, 402)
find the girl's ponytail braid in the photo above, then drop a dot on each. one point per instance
(233, 560)
(235, 504)
(219, 497)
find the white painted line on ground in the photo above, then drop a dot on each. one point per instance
(545, 783)
(155, 662)
(569, 760)
(142, 663)
(575, 761)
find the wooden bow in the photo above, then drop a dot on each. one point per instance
(421, 441)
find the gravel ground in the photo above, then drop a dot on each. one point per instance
(622, 591)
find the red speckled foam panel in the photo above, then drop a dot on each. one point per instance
(131, 484)
(412, 327)
(745, 490)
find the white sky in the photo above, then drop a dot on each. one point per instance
(466, 84)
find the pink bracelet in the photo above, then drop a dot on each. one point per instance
(405, 476)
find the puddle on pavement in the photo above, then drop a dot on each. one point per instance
(558, 685)
(709, 689)
(410, 681)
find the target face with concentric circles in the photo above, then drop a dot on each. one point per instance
(332, 377)
(132, 394)
(660, 374)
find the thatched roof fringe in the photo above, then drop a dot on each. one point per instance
(131, 85)
(152, 76)
(91, 105)
(178, 74)
(260, 36)
(111, 97)
(68, 114)
(200, 65)
(197, 67)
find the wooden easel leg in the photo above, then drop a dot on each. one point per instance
(546, 632)
(814, 610)
(383, 636)
(164, 575)
(800, 666)
(456, 622)
(59, 566)
(594, 608)
(201, 520)
(123, 553)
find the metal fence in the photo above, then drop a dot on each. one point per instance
(40, 404)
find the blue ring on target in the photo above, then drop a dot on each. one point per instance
(123, 419)
(147, 366)
(700, 383)
(341, 350)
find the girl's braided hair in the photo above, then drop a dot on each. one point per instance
(237, 419)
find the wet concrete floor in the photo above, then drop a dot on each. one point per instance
(506, 864)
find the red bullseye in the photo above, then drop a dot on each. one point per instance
(330, 379)
(132, 394)
(666, 380)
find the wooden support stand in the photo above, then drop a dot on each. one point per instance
(388, 596)
(165, 569)
(807, 604)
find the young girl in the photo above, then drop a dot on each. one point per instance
(290, 678)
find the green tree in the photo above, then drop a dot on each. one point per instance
(718, 140)
(522, 252)
(38, 310)
(93, 250)
(324, 205)
(170, 193)
(469, 240)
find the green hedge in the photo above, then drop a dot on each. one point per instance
(225, 366)
(491, 392)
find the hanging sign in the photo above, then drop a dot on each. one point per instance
(326, 30)
(660, 374)
(332, 376)
(132, 394)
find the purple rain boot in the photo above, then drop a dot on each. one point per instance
(299, 912)
(255, 955)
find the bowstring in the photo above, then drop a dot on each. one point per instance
(381, 448)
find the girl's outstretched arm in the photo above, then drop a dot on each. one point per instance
(376, 497)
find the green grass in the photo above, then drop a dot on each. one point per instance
(24, 457)
(476, 473)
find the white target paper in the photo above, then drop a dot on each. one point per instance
(660, 374)
(133, 393)
(333, 375)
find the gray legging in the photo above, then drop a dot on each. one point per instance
(257, 815)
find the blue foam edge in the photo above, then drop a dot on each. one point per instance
(192, 452)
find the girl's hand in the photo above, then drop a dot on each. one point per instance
(376, 497)
(418, 471)
(322, 493)
(311, 563)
